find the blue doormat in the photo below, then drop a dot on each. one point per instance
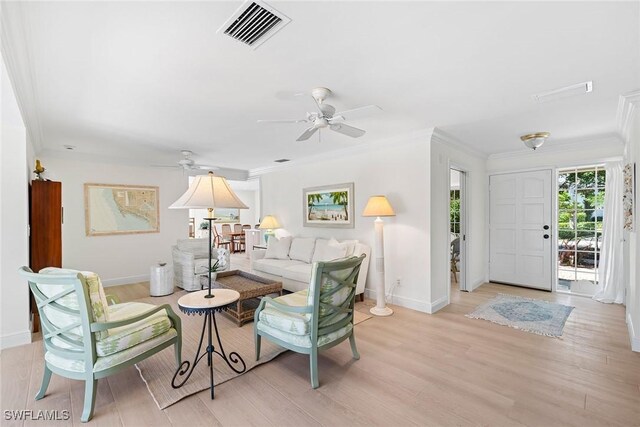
(530, 315)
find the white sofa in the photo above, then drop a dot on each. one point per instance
(190, 259)
(292, 265)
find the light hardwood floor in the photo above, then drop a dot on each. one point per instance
(415, 369)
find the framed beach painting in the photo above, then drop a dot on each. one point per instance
(120, 209)
(328, 206)
(226, 215)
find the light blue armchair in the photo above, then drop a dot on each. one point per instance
(86, 339)
(315, 319)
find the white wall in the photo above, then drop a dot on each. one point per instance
(443, 155)
(397, 169)
(631, 135)
(14, 214)
(117, 259)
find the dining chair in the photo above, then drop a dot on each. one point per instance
(86, 339)
(226, 231)
(218, 240)
(313, 319)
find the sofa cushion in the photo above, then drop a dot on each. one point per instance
(302, 249)
(325, 251)
(300, 273)
(278, 248)
(274, 266)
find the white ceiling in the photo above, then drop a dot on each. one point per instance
(141, 80)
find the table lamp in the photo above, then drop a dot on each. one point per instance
(379, 206)
(269, 223)
(209, 192)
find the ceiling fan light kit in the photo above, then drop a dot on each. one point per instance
(535, 140)
(325, 116)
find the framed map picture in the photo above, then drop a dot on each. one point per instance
(120, 209)
(329, 206)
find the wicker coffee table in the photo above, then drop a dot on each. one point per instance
(250, 287)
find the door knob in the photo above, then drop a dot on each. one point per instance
(546, 227)
(546, 236)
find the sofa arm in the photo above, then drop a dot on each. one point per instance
(257, 254)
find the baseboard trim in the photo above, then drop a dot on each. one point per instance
(635, 340)
(438, 304)
(125, 280)
(405, 302)
(15, 339)
(477, 284)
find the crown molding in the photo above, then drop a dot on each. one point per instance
(16, 55)
(441, 137)
(627, 105)
(572, 144)
(398, 140)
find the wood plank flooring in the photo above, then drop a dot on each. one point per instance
(415, 369)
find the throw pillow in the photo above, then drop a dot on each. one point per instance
(349, 245)
(302, 249)
(278, 248)
(318, 252)
(326, 252)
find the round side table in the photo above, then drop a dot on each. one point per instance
(202, 304)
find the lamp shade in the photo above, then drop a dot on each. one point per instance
(378, 206)
(269, 222)
(208, 192)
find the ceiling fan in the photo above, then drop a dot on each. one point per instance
(187, 163)
(325, 116)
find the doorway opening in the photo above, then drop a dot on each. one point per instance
(457, 230)
(580, 218)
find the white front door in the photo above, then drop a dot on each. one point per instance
(520, 229)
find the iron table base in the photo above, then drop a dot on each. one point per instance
(233, 360)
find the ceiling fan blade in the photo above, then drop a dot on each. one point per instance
(205, 167)
(283, 121)
(356, 113)
(165, 166)
(307, 134)
(347, 130)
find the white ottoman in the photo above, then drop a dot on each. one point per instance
(161, 280)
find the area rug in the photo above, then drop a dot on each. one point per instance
(530, 315)
(157, 371)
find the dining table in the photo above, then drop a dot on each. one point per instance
(235, 238)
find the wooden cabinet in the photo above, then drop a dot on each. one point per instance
(45, 222)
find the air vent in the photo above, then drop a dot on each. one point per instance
(254, 23)
(564, 92)
(282, 160)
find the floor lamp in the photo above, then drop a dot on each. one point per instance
(209, 192)
(379, 206)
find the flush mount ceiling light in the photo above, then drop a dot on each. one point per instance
(535, 140)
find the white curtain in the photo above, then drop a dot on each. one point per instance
(611, 267)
